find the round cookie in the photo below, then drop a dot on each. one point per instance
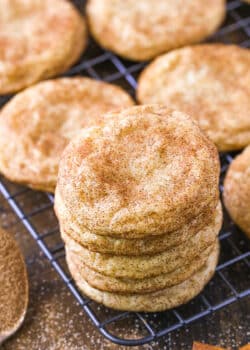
(13, 286)
(139, 267)
(140, 286)
(151, 302)
(38, 39)
(37, 124)
(133, 247)
(143, 29)
(147, 170)
(237, 190)
(209, 82)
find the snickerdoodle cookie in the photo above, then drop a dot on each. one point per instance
(38, 39)
(139, 286)
(38, 123)
(148, 170)
(13, 286)
(156, 301)
(209, 82)
(237, 190)
(144, 266)
(142, 29)
(133, 247)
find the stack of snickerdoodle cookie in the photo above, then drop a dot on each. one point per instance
(138, 205)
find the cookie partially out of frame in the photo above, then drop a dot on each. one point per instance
(38, 39)
(209, 82)
(237, 190)
(37, 124)
(150, 302)
(142, 29)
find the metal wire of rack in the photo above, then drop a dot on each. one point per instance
(35, 211)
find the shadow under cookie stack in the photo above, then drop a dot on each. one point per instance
(138, 206)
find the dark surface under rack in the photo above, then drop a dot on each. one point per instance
(35, 210)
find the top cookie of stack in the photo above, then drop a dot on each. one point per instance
(149, 170)
(138, 206)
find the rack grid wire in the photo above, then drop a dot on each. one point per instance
(35, 211)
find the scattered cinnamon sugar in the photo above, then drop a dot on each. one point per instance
(201, 346)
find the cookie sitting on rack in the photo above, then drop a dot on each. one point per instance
(143, 29)
(38, 40)
(163, 299)
(211, 83)
(237, 190)
(38, 123)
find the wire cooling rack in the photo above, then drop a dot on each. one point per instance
(35, 210)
